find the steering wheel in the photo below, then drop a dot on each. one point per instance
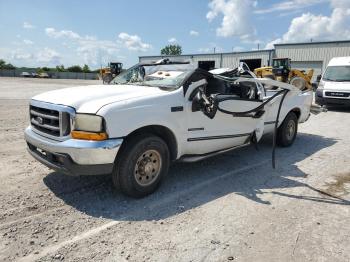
(209, 104)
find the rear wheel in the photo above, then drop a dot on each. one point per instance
(141, 165)
(287, 132)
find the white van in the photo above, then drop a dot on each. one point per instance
(334, 86)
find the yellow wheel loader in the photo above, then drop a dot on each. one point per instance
(281, 71)
(108, 73)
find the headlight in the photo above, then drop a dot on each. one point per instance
(321, 85)
(88, 127)
(90, 123)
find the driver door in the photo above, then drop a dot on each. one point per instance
(224, 131)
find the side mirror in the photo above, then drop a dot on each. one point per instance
(318, 78)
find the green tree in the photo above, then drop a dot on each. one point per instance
(75, 68)
(60, 68)
(171, 50)
(4, 65)
(86, 69)
(45, 69)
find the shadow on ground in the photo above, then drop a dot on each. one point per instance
(340, 109)
(191, 185)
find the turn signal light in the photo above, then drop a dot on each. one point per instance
(89, 135)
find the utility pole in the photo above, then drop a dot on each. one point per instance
(214, 49)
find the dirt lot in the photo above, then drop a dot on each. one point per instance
(231, 207)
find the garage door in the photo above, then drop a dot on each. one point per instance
(307, 65)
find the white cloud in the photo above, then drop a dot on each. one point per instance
(236, 17)
(52, 32)
(97, 51)
(49, 56)
(46, 56)
(92, 50)
(194, 33)
(271, 45)
(27, 25)
(340, 4)
(289, 5)
(172, 40)
(21, 55)
(28, 42)
(318, 27)
(133, 42)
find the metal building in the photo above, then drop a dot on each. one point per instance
(314, 55)
(304, 56)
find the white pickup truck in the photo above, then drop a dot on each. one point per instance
(157, 113)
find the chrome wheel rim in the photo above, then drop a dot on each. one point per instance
(147, 168)
(290, 130)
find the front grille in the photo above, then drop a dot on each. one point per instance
(338, 94)
(49, 121)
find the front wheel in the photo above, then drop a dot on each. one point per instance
(141, 165)
(287, 132)
(107, 78)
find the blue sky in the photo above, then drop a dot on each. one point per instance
(47, 33)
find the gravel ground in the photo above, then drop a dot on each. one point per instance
(230, 207)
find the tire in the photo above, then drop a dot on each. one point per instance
(107, 78)
(287, 132)
(298, 82)
(141, 166)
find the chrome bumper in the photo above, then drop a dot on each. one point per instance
(78, 152)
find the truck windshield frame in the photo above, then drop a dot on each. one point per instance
(168, 76)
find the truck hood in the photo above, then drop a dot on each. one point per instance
(336, 86)
(89, 99)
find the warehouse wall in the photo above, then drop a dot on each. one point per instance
(313, 52)
(232, 60)
(221, 59)
(207, 57)
(149, 59)
(304, 56)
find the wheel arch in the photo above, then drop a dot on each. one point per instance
(163, 132)
(296, 111)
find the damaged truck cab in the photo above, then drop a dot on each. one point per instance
(157, 113)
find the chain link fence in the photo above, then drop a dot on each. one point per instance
(56, 75)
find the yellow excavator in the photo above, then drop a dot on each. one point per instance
(108, 73)
(281, 71)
